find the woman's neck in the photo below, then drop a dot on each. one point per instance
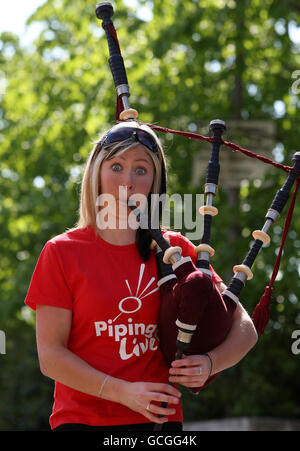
(118, 237)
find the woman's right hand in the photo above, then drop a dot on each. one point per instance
(140, 397)
(62, 365)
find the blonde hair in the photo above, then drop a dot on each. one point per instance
(90, 186)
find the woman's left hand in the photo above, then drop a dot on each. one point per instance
(190, 371)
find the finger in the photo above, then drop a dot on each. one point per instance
(151, 414)
(163, 397)
(187, 361)
(185, 379)
(192, 371)
(189, 381)
(154, 418)
(193, 384)
(159, 410)
(164, 388)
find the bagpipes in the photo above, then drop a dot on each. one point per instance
(195, 316)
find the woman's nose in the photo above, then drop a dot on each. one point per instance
(128, 180)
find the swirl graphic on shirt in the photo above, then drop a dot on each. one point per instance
(126, 334)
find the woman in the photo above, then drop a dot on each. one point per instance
(96, 299)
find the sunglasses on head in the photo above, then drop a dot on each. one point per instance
(122, 133)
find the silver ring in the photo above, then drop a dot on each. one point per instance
(200, 370)
(148, 406)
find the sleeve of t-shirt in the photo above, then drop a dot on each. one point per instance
(48, 284)
(177, 239)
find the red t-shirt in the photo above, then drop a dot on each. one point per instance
(115, 300)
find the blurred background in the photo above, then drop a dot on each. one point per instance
(187, 63)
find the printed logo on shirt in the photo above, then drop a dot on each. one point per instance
(129, 334)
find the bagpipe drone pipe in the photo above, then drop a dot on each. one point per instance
(195, 316)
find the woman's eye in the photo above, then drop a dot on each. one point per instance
(116, 167)
(141, 171)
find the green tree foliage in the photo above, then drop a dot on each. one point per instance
(186, 63)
